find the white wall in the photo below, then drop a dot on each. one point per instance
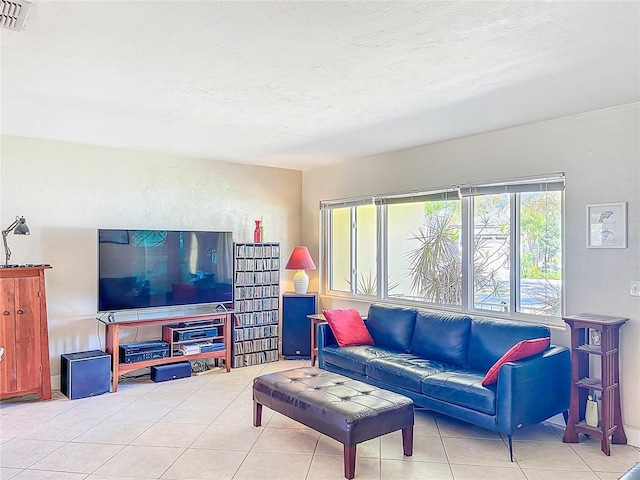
(600, 155)
(67, 191)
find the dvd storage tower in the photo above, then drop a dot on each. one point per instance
(85, 374)
(256, 303)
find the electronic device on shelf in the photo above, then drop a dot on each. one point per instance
(140, 351)
(190, 348)
(204, 323)
(162, 268)
(183, 335)
(210, 346)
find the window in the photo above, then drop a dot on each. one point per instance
(353, 248)
(493, 248)
(423, 252)
(491, 252)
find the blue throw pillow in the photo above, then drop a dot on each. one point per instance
(391, 327)
(442, 337)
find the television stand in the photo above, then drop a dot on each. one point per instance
(222, 320)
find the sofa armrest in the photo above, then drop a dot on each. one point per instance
(533, 389)
(324, 338)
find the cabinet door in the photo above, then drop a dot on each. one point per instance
(7, 336)
(28, 336)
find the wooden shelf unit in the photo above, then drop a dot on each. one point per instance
(112, 333)
(610, 421)
(24, 334)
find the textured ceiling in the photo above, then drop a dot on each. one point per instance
(301, 84)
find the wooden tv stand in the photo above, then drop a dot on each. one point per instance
(112, 334)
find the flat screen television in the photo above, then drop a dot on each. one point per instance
(163, 268)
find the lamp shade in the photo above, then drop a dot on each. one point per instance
(300, 260)
(21, 228)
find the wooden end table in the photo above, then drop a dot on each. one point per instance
(316, 319)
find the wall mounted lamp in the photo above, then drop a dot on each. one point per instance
(19, 227)
(300, 260)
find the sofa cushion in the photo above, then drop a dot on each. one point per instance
(490, 339)
(348, 328)
(441, 337)
(391, 326)
(353, 358)
(523, 349)
(461, 387)
(404, 370)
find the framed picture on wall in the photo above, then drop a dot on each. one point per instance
(607, 225)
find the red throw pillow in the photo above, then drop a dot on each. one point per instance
(520, 350)
(348, 327)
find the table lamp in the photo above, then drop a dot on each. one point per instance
(300, 260)
(19, 227)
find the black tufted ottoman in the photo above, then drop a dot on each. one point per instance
(346, 410)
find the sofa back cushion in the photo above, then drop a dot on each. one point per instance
(391, 326)
(441, 337)
(491, 339)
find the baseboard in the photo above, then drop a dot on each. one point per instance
(55, 382)
(632, 433)
(633, 436)
(557, 420)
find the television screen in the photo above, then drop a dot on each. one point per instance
(160, 268)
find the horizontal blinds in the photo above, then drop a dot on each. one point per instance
(346, 202)
(544, 183)
(424, 196)
(548, 183)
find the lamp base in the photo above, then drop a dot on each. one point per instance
(300, 282)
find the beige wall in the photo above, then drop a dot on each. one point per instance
(67, 191)
(600, 155)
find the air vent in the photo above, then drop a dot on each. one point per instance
(13, 14)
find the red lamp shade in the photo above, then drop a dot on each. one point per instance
(300, 260)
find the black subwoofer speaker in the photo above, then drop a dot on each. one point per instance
(85, 374)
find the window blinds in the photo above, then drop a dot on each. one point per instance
(541, 183)
(547, 183)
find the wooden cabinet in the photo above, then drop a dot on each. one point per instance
(24, 334)
(595, 336)
(222, 320)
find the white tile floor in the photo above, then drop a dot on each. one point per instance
(201, 428)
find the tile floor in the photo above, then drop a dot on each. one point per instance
(201, 428)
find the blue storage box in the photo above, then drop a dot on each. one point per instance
(170, 371)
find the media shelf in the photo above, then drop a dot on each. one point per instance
(256, 330)
(221, 320)
(207, 335)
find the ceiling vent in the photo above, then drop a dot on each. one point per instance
(13, 14)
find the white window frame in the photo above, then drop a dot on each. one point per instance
(550, 182)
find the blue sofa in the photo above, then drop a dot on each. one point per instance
(439, 360)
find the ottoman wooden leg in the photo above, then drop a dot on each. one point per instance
(407, 440)
(257, 414)
(349, 461)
